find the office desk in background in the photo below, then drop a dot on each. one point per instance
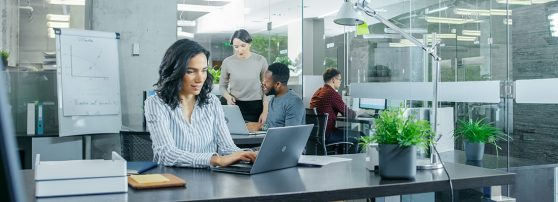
(368, 121)
(345, 180)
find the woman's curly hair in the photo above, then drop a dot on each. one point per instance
(172, 70)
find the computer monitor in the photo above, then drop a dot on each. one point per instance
(11, 188)
(372, 103)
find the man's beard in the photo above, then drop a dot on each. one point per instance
(271, 91)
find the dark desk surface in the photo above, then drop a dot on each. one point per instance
(337, 181)
(489, 160)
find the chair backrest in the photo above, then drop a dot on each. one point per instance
(316, 142)
(311, 111)
(136, 146)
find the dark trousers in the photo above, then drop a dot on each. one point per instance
(338, 135)
(251, 110)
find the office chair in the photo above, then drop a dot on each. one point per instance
(136, 146)
(316, 144)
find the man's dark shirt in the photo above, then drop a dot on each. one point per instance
(327, 100)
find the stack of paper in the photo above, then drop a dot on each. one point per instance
(152, 178)
(77, 177)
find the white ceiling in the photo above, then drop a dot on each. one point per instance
(283, 12)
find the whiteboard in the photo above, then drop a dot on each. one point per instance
(88, 82)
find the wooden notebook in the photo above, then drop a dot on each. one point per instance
(173, 181)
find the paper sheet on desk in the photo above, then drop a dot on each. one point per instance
(320, 160)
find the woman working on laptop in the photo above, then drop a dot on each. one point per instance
(186, 122)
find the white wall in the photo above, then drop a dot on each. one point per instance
(151, 24)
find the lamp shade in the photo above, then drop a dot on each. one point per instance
(347, 15)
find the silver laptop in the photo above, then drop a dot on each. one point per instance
(235, 121)
(281, 148)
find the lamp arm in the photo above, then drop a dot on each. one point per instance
(372, 13)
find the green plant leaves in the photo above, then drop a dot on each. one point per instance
(4, 54)
(284, 60)
(479, 131)
(216, 73)
(392, 127)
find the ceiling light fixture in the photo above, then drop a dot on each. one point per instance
(443, 20)
(471, 32)
(428, 11)
(58, 24)
(407, 30)
(466, 38)
(481, 12)
(55, 17)
(186, 23)
(67, 2)
(523, 2)
(441, 36)
(197, 8)
(184, 34)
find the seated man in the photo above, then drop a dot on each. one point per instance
(327, 100)
(285, 107)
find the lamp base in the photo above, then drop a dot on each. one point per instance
(430, 166)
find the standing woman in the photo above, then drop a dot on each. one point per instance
(185, 121)
(241, 79)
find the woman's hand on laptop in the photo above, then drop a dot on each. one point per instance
(233, 158)
(253, 126)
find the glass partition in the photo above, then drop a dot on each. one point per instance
(497, 66)
(32, 75)
(273, 25)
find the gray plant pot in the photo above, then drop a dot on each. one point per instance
(5, 62)
(474, 151)
(397, 162)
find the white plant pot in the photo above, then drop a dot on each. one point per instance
(372, 158)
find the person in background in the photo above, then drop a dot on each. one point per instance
(285, 107)
(327, 100)
(241, 76)
(186, 122)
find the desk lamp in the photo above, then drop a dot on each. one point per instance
(348, 16)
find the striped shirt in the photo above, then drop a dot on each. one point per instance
(177, 142)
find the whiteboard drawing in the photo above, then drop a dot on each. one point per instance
(88, 81)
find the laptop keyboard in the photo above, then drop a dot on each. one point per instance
(240, 167)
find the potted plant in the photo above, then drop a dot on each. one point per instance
(215, 71)
(397, 137)
(367, 144)
(4, 55)
(475, 134)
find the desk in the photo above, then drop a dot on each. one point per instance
(345, 180)
(534, 179)
(360, 120)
